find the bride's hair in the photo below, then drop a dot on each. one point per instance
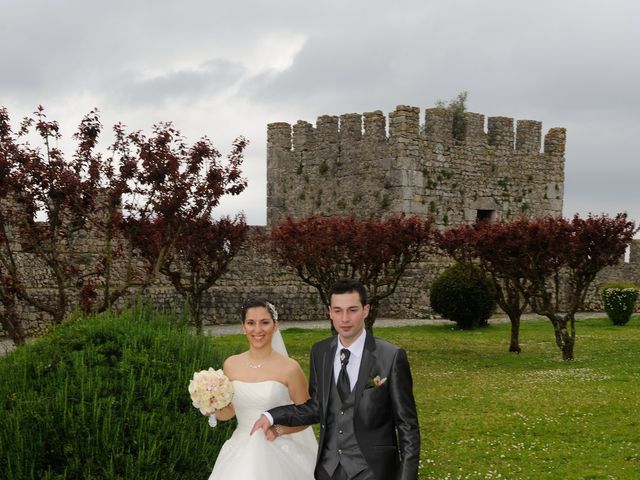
(259, 302)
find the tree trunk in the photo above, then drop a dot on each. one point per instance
(567, 350)
(371, 318)
(13, 326)
(195, 309)
(59, 316)
(514, 345)
(566, 342)
(512, 302)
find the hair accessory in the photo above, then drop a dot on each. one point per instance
(272, 311)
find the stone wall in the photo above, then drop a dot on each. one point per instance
(626, 271)
(252, 273)
(370, 165)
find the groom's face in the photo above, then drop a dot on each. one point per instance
(347, 314)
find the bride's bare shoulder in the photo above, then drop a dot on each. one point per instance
(287, 365)
(233, 362)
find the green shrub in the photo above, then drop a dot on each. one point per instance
(619, 301)
(106, 398)
(464, 294)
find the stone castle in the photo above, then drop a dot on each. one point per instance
(343, 166)
(450, 168)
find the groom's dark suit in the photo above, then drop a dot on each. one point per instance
(385, 422)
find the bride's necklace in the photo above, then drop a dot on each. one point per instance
(250, 364)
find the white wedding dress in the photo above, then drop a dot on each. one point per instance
(249, 457)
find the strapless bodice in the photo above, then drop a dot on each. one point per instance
(252, 399)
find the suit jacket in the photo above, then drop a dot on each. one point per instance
(385, 417)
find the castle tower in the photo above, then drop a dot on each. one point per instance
(352, 164)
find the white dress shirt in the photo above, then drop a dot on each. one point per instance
(355, 359)
(353, 367)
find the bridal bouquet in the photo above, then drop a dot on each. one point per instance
(210, 390)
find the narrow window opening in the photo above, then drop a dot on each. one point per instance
(488, 215)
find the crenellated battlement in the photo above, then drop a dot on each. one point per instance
(474, 133)
(554, 141)
(528, 133)
(451, 168)
(279, 136)
(375, 126)
(404, 122)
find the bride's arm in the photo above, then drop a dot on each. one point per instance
(298, 392)
(306, 413)
(228, 412)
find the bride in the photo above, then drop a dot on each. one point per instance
(264, 377)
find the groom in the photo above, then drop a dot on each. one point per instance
(361, 394)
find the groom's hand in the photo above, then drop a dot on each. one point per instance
(261, 424)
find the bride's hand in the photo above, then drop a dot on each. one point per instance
(225, 413)
(271, 434)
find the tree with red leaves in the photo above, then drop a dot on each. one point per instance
(170, 218)
(376, 252)
(538, 256)
(40, 182)
(588, 245)
(113, 268)
(199, 254)
(76, 220)
(486, 243)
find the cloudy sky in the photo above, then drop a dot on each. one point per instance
(228, 68)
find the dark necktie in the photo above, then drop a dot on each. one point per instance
(344, 385)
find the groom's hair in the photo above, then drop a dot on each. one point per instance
(349, 285)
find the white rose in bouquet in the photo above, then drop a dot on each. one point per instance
(210, 390)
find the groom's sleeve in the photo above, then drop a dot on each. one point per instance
(306, 413)
(405, 416)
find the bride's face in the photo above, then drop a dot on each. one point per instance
(258, 326)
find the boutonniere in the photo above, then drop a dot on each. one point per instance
(377, 381)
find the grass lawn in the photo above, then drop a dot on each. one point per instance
(486, 413)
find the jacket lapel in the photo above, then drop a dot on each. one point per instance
(366, 365)
(327, 371)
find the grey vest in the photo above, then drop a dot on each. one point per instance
(341, 445)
